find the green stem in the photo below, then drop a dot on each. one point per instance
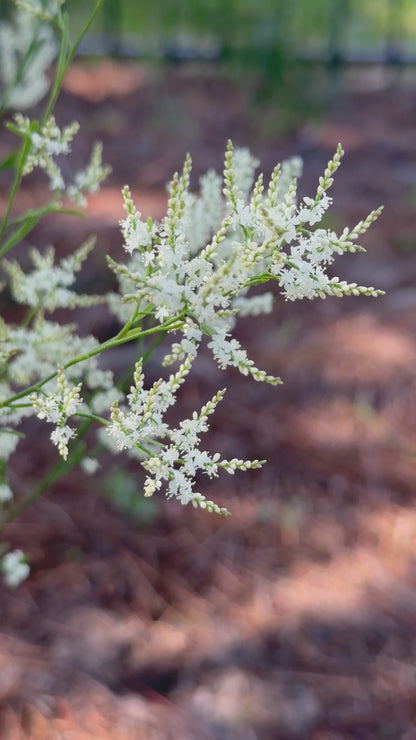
(30, 220)
(52, 207)
(125, 382)
(29, 316)
(18, 235)
(15, 187)
(127, 326)
(171, 324)
(92, 417)
(65, 59)
(58, 470)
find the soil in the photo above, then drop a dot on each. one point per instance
(294, 618)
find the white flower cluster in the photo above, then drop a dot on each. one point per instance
(48, 142)
(191, 275)
(188, 276)
(47, 287)
(56, 408)
(252, 236)
(34, 355)
(5, 493)
(35, 352)
(8, 441)
(90, 179)
(27, 48)
(177, 462)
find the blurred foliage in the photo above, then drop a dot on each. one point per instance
(121, 488)
(265, 45)
(299, 24)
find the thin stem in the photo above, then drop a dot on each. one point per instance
(64, 63)
(170, 325)
(129, 323)
(29, 315)
(93, 417)
(124, 382)
(15, 187)
(18, 235)
(58, 470)
(52, 207)
(64, 60)
(30, 219)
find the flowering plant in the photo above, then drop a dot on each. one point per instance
(184, 278)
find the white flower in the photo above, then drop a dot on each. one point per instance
(8, 443)
(27, 48)
(242, 215)
(50, 141)
(313, 210)
(244, 167)
(60, 437)
(63, 402)
(47, 286)
(15, 568)
(89, 465)
(5, 493)
(89, 179)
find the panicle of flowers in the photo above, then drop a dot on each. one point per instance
(89, 179)
(167, 275)
(141, 423)
(57, 407)
(189, 275)
(178, 463)
(36, 351)
(137, 235)
(301, 271)
(48, 142)
(200, 287)
(27, 48)
(47, 286)
(228, 352)
(169, 455)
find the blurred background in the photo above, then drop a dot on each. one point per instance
(295, 617)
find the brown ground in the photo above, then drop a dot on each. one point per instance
(296, 617)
